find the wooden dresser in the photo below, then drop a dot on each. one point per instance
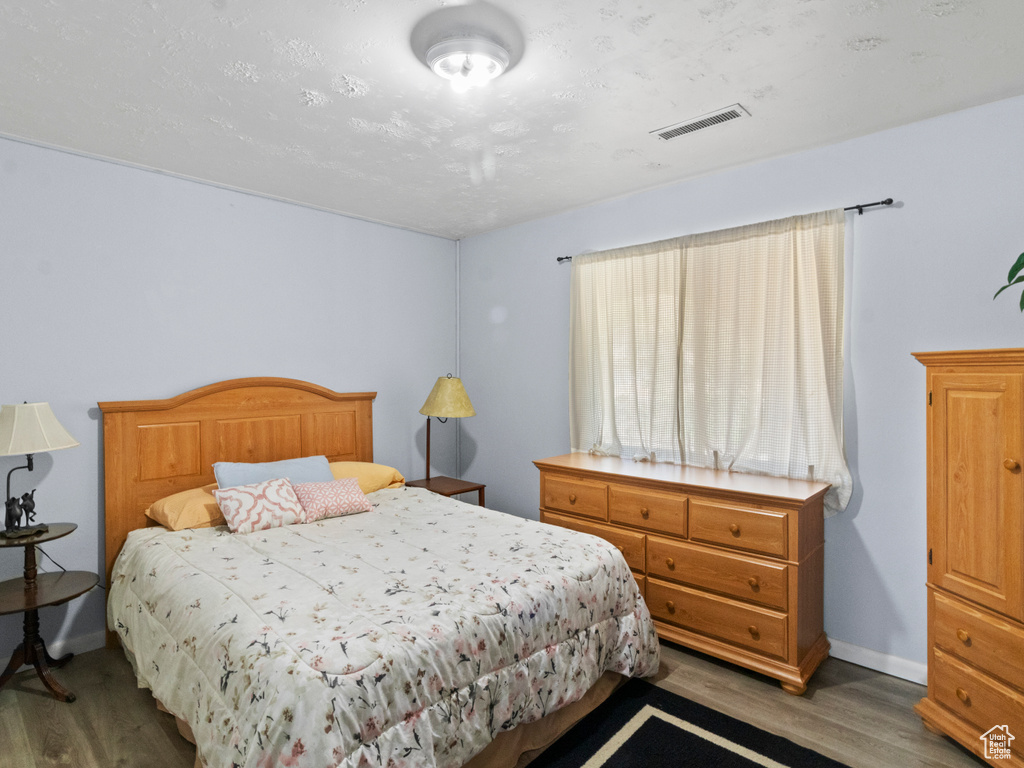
(729, 564)
(976, 550)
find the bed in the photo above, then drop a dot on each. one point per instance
(423, 632)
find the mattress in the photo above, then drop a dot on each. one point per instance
(409, 635)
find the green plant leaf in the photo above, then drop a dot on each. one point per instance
(1010, 285)
(1018, 265)
(1022, 301)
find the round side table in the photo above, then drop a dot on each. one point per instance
(32, 592)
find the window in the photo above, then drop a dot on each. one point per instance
(721, 350)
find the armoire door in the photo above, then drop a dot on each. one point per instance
(976, 494)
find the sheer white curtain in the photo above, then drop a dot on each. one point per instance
(723, 349)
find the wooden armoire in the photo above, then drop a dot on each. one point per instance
(975, 449)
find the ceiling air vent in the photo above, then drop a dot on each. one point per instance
(704, 121)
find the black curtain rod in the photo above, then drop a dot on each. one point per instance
(858, 208)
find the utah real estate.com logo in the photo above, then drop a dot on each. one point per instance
(997, 743)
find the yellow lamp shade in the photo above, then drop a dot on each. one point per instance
(448, 399)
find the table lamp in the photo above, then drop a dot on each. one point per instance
(447, 400)
(27, 428)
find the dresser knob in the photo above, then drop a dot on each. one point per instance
(670, 606)
(735, 529)
(670, 562)
(963, 636)
(754, 633)
(1011, 465)
(753, 582)
(572, 498)
(962, 695)
(645, 513)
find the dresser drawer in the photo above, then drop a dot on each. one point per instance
(755, 530)
(984, 640)
(755, 628)
(733, 575)
(630, 543)
(974, 696)
(649, 510)
(575, 496)
(641, 582)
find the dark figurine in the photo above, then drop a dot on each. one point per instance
(28, 506)
(12, 520)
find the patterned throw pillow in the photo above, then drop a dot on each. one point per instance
(333, 499)
(256, 507)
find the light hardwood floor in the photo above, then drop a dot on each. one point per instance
(854, 715)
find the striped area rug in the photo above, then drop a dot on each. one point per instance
(643, 726)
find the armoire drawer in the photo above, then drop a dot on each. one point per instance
(646, 509)
(630, 543)
(575, 496)
(974, 696)
(755, 530)
(984, 640)
(754, 628)
(734, 575)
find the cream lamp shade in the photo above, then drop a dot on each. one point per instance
(448, 400)
(31, 428)
(27, 429)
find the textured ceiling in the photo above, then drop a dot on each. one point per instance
(324, 103)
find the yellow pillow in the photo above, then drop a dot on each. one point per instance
(372, 477)
(194, 508)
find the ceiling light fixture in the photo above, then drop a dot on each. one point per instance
(468, 44)
(468, 62)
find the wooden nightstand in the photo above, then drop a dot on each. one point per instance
(449, 486)
(30, 593)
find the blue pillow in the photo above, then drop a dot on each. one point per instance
(312, 469)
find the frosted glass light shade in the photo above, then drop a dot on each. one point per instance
(448, 400)
(31, 428)
(467, 62)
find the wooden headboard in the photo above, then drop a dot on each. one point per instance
(153, 448)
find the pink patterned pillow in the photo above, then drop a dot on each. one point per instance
(333, 499)
(256, 507)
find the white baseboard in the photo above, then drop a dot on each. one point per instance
(79, 644)
(914, 671)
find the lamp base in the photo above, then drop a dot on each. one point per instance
(30, 530)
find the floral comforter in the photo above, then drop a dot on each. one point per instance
(409, 635)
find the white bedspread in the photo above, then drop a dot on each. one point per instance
(405, 636)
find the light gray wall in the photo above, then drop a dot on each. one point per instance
(922, 278)
(121, 284)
